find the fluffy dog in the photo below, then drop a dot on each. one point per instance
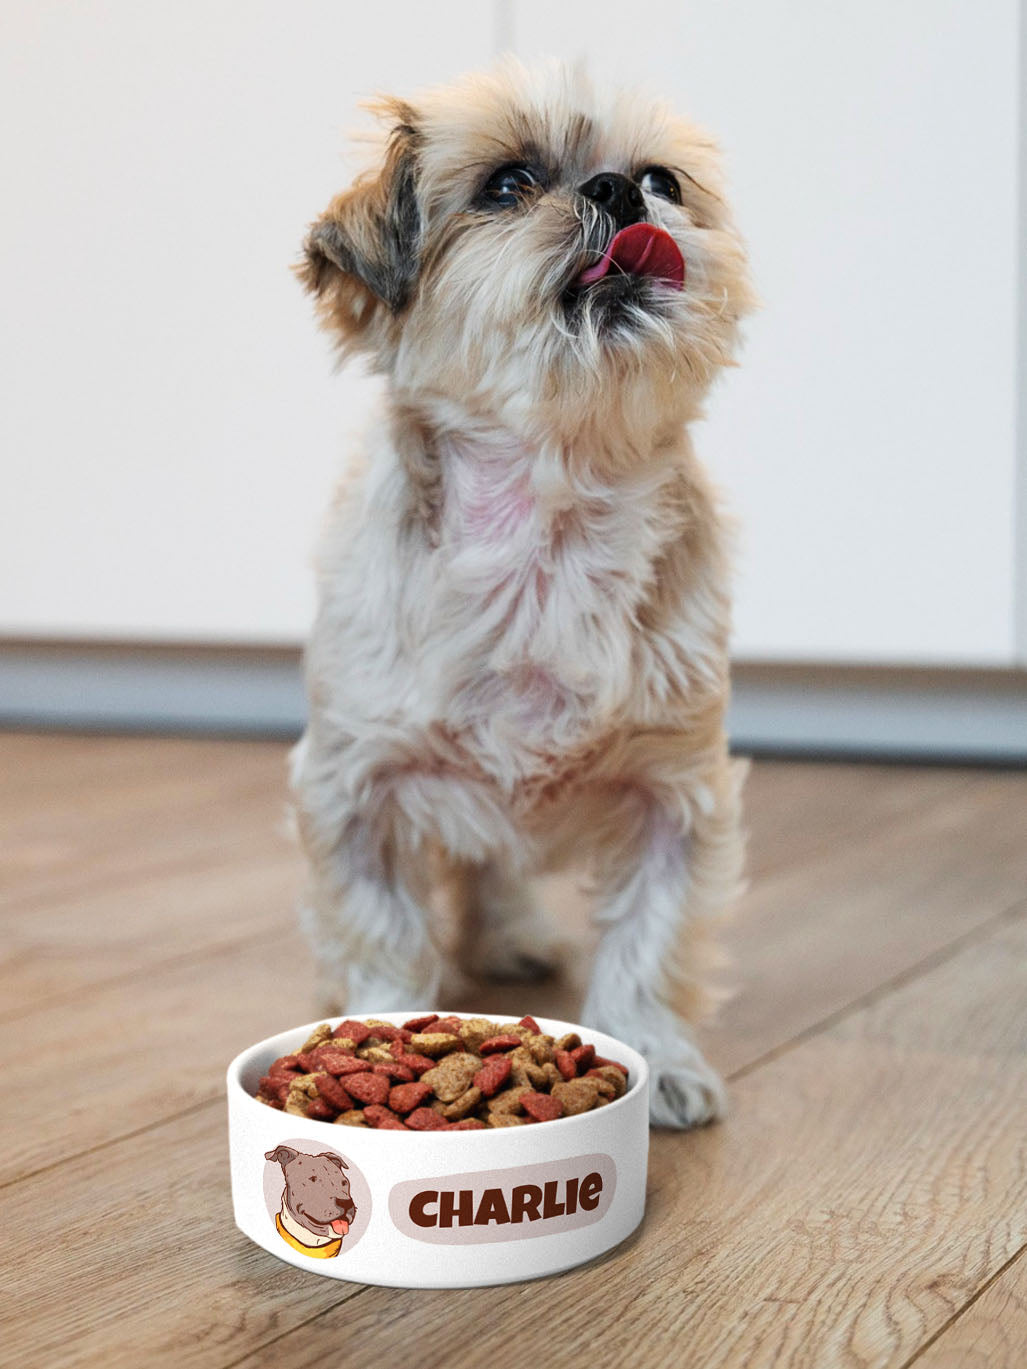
(520, 654)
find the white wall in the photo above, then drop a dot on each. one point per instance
(170, 422)
(170, 419)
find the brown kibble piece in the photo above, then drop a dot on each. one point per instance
(434, 1044)
(301, 1090)
(468, 1124)
(354, 1118)
(576, 1095)
(614, 1077)
(475, 1030)
(376, 1055)
(568, 1042)
(507, 1101)
(319, 1034)
(452, 1075)
(505, 1119)
(460, 1107)
(552, 1075)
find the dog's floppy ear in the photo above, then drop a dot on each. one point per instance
(281, 1155)
(362, 255)
(335, 1159)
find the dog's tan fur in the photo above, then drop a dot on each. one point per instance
(520, 655)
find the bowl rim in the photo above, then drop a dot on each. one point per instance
(637, 1064)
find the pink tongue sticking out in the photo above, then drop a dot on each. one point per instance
(340, 1226)
(641, 249)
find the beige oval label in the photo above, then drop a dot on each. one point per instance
(505, 1204)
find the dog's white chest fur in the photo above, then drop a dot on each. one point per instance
(537, 575)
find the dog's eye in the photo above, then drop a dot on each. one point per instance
(509, 186)
(657, 180)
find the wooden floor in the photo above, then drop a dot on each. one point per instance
(865, 1204)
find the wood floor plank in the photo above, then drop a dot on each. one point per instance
(173, 803)
(992, 1333)
(791, 819)
(141, 1050)
(82, 941)
(868, 1183)
(150, 1267)
(819, 934)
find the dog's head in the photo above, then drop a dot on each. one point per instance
(316, 1190)
(526, 245)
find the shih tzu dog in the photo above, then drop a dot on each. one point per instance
(520, 654)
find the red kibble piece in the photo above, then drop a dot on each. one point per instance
(320, 1110)
(356, 1031)
(542, 1106)
(368, 1088)
(566, 1064)
(601, 1060)
(285, 1062)
(401, 1073)
(332, 1092)
(507, 1042)
(582, 1057)
(467, 1124)
(450, 1025)
(385, 1032)
(418, 1024)
(418, 1063)
(276, 1086)
(531, 1025)
(337, 1062)
(493, 1075)
(307, 1062)
(382, 1119)
(406, 1097)
(426, 1119)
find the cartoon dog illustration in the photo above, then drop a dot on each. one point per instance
(317, 1207)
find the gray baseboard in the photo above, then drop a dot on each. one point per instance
(788, 710)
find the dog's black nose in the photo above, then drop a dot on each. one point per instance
(619, 196)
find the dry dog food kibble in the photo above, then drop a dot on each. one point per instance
(441, 1074)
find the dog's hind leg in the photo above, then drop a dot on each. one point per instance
(506, 933)
(662, 876)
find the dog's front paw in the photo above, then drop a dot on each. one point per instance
(685, 1092)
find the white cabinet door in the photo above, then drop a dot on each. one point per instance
(170, 427)
(868, 441)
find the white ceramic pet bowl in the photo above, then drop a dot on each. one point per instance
(449, 1209)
